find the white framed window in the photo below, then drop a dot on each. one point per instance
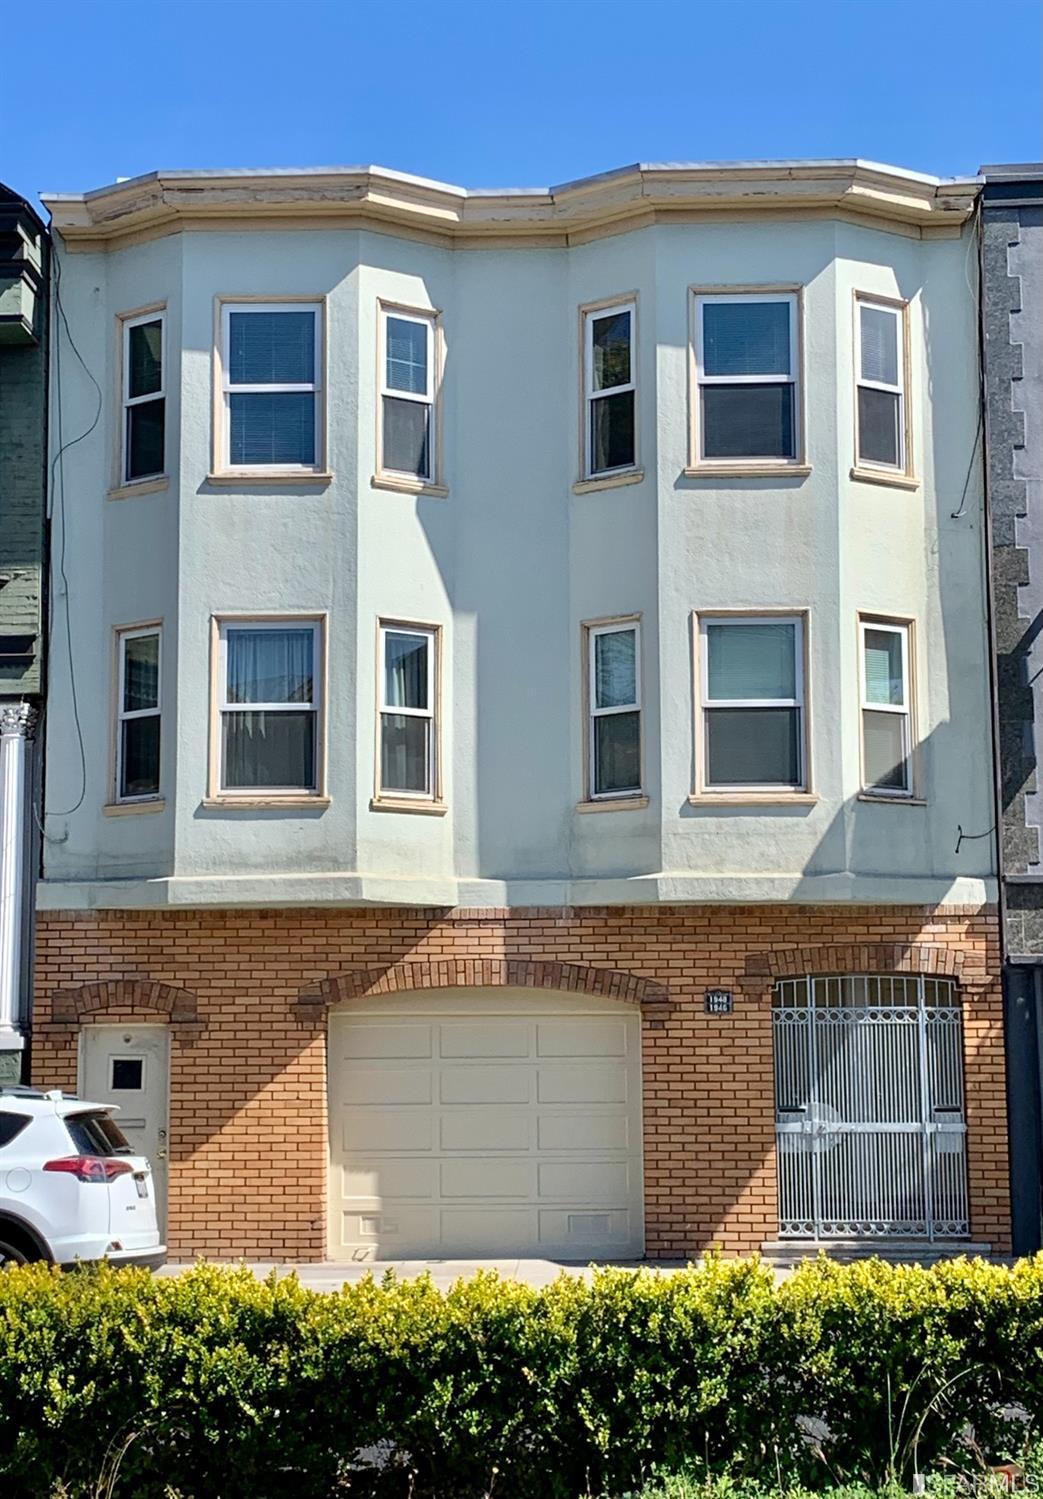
(887, 729)
(747, 359)
(408, 697)
(614, 708)
(269, 704)
(408, 435)
(271, 373)
(138, 714)
(610, 389)
(143, 392)
(880, 384)
(752, 701)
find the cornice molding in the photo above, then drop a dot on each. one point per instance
(610, 203)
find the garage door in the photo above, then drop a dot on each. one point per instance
(502, 1123)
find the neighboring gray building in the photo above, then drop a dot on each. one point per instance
(24, 275)
(1012, 325)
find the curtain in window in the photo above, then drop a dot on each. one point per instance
(270, 666)
(746, 338)
(751, 661)
(405, 753)
(269, 750)
(610, 340)
(271, 348)
(615, 669)
(405, 670)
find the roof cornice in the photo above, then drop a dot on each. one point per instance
(375, 197)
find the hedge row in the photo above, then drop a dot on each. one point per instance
(217, 1386)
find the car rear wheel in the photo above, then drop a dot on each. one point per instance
(10, 1255)
(16, 1248)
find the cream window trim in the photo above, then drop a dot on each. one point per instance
(635, 803)
(901, 475)
(222, 470)
(124, 809)
(395, 798)
(610, 481)
(903, 629)
(699, 466)
(731, 793)
(217, 795)
(407, 804)
(630, 472)
(123, 487)
(122, 715)
(139, 488)
(402, 480)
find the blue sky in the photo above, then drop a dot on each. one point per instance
(520, 94)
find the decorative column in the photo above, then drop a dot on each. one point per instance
(16, 726)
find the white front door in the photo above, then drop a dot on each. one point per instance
(129, 1065)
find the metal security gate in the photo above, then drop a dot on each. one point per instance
(869, 1108)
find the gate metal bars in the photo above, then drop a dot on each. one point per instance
(869, 1108)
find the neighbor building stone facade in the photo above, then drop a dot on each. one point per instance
(538, 718)
(1012, 320)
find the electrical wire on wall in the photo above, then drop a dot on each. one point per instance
(57, 498)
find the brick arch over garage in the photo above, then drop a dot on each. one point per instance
(926, 959)
(74, 1006)
(478, 973)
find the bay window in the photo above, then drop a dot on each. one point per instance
(269, 704)
(614, 696)
(752, 703)
(881, 403)
(746, 369)
(886, 711)
(138, 714)
(610, 389)
(272, 386)
(407, 758)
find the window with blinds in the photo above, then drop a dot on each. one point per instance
(746, 365)
(886, 710)
(271, 375)
(752, 703)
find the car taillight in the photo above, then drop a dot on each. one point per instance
(89, 1168)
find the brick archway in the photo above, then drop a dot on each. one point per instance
(763, 969)
(474, 973)
(75, 1005)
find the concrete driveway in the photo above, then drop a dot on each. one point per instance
(444, 1273)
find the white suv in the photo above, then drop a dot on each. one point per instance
(70, 1190)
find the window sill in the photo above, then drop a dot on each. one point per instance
(409, 486)
(891, 801)
(127, 809)
(241, 478)
(884, 476)
(613, 804)
(609, 481)
(407, 804)
(138, 487)
(264, 803)
(747, 471)
(753, 799)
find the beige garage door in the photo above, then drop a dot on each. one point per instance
(468, 1122)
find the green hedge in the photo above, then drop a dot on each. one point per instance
(213, 1384)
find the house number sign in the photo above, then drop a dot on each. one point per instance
(718, 1002)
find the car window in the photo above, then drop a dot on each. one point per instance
(11, 1126)
(96, 1134)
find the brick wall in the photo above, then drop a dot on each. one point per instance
(246, 994)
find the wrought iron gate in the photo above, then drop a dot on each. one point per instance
(869, 1108)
